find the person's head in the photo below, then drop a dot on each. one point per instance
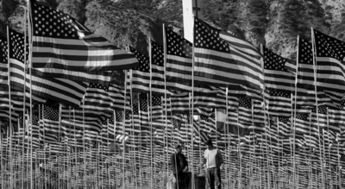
(178, 148)
(209, 143)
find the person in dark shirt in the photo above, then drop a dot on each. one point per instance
(179, 167)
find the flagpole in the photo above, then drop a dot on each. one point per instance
(192, 108)
(9, 84)
(123, 131)
(59, 142)
(115, 145)
(266, 114)
(165, 97)
(150, 112)
(338, 162)
(295, 104)
(316, 104)
(227, 134)
(132, 134)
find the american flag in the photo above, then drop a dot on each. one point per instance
(278, 102)
(96, 98)
(204, 99)
(245, 112)
(275, 72)
(305, 83)
(61, 90)
(157, 74)
(64, 48)
(220, 62)
(203, 129)
(179, 62)
(3, 65)
(279, 84)
(50, 123)
(118, 96)
(17, 97)
(330, 54)
(89, 119)
(140, 75)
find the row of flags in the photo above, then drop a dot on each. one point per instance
(69, 64)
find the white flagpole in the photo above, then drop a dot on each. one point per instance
(9, 85)
(150, 113)
(192, 110)
(124, 133)
(166, 146)
(30, 69)
(316, 105)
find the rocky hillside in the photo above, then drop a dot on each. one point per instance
(274, 23)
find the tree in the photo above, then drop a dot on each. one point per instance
(292, 19)
(257, 20)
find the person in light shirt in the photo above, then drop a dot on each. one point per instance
(213, 162)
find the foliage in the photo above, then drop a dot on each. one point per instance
(274, 23)
(256, 13)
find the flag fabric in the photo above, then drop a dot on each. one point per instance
(17, 97)
(157, 74)
(217, 62)
(140, 75)
(97, 99)
(178, 62)
(120, 97)
(279, 84)
(3, 65)
(279, 102)
(275, 72)
(205, 100)
(330, 54)
(50, 123)
(62, 47)
(305, 79)
(59, 89)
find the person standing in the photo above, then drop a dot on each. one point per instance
(179, 167)
(213, 161)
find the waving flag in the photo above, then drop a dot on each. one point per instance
(279, 84)
(61, 90)
(64, 48)
(218, 63)
(3, 65)
(179, 62)
(330, 54)
(305, 83)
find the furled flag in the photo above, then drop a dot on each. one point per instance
(64, 48)
(57, 89)
(330, 54)
(218, 63)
